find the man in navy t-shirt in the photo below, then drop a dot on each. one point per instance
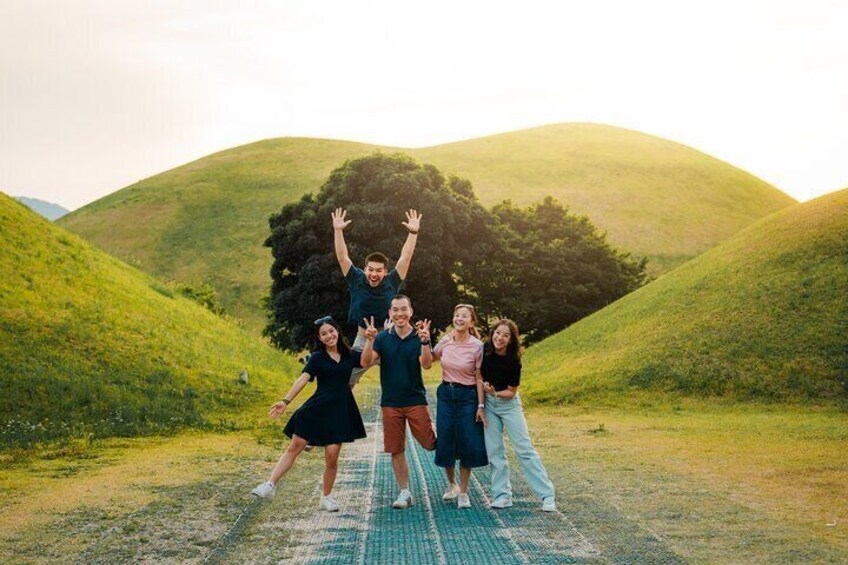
(372, 289)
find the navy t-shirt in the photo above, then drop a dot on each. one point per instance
(400, 370)
(501, 371)
(367, 300)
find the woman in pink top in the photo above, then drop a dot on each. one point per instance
(460, 413)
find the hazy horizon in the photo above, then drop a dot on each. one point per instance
(96, 95)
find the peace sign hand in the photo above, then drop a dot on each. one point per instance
(370, 330)
(339, 222)
(422, 328)
(413, 221)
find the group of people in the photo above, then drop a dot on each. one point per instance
(477, 401)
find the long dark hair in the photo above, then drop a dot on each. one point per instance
(341, 344)
(513, 348)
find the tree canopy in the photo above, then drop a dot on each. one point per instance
(540, 266)
(376, 191)
(553, 268)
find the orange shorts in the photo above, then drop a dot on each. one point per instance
(394, 428)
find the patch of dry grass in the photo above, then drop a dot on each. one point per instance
(146, 499)
(744, 484)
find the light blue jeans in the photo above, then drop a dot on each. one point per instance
(507, 414)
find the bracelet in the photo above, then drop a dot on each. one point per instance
(481, 406)
(413, 232)
(287, 401)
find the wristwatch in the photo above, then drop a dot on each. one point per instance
(481, 406)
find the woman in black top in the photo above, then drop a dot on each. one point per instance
(501, 371)
(329, 417)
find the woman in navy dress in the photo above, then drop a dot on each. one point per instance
(329, 418)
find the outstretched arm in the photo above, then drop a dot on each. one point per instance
(339, 224)
(279, 407)
(412, 224)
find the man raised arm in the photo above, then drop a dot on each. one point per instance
(339, 224)
(412, 223)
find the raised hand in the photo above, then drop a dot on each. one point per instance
(370, 330)
(422, 328)
(339, 222)
(413, 221)
(277, 409)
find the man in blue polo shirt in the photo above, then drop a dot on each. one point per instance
(403, 348)
(372, 289)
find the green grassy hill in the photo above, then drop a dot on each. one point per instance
(89, 345)
(762, 316)
(205, 221)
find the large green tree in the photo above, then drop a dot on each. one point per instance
(541, 266)
(376, 191)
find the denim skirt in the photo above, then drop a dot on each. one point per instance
(458, 435)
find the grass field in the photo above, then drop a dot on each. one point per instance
(738, 484)
(720, 484)
(206, 221)
(155, 499)
(90, 347)
(761, 316)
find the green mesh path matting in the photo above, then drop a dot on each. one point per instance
(432, 531)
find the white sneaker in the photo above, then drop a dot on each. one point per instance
(451, 492)
(462, 500)
(265, 490)
(404, 500)
(549, 504)
(501, 502)
(329, 503)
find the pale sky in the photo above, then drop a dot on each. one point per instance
(95, 95)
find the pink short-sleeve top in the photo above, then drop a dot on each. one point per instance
(460, 361)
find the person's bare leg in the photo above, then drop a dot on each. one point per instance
(287, 459)
(451, 473)
(331, 466)
(464, 476)
(401, 469)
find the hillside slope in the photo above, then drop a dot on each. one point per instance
(91, 345)
(206, 221)
(762, 316)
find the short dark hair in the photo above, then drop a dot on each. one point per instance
(377, 257)
(402, 297)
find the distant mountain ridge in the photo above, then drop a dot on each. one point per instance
(49, 210)
(205, 221)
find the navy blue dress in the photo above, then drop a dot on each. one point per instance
(330, 415)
